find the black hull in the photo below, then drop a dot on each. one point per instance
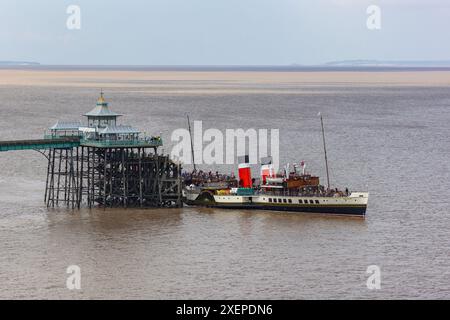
(343, 210)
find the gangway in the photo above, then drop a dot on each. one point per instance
(40, 144)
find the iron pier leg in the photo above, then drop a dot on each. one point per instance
(48, 175)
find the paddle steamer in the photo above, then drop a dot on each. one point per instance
(291, 190)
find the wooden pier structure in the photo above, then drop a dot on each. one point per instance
(112, 177)
(103, 164)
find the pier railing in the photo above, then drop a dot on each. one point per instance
(149, 142)
(121, 143)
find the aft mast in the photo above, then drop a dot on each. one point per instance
(192, 143)
(325, 150)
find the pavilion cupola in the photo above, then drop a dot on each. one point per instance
(101, 116)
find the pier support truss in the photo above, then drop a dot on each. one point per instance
(112, 177)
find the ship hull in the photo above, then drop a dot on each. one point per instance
(345, 206)
(333, 210)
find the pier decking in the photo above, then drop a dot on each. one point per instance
(40, 144)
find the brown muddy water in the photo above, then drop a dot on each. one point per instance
(386, 132)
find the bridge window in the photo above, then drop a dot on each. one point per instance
(300, 201)
(317, 201)
(270, 199)
(290, 200)
(311, 201)
(284, 200)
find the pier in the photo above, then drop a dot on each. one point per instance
(104, 164)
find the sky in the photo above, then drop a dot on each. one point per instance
(222, 32)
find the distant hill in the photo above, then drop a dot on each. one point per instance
(19, 63)
(388, 63)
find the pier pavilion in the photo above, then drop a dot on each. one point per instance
(104, 163)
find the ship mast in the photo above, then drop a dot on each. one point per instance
(325, 150)
(192, 143)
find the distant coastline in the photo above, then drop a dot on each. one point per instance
(342, 66)
(19, 63)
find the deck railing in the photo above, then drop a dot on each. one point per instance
(61, 136)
